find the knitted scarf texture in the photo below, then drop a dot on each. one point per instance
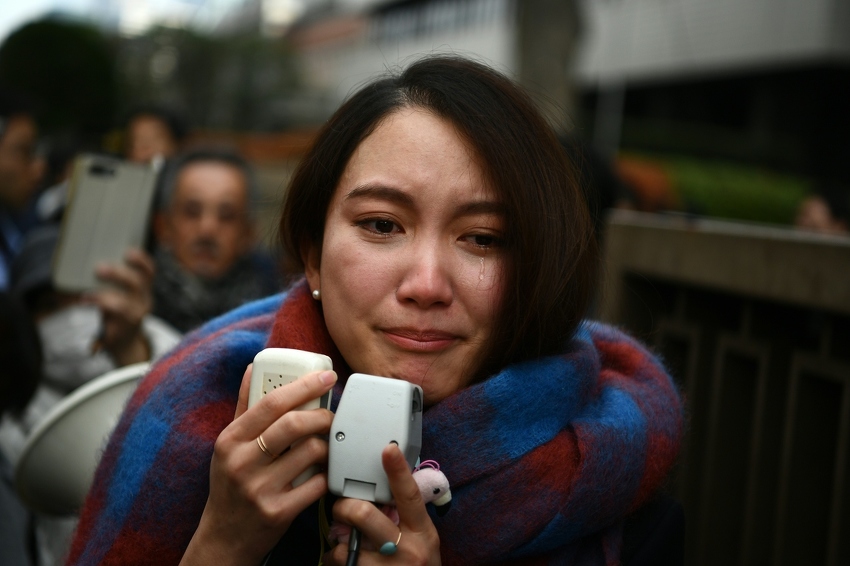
(544, 459)
(186, 300)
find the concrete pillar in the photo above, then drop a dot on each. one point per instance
(547, 32)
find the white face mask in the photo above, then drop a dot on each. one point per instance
(67, 337)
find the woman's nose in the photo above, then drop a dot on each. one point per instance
(427, 279)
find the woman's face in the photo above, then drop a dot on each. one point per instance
(412, 262)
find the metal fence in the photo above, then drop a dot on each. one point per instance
(754, 323)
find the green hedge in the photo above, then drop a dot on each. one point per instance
(727, 190)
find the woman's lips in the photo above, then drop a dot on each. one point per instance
(420, 340)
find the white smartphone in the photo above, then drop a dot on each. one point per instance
(109, 203)
(276, 367)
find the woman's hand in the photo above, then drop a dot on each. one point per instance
(419, 543)
(252, 502)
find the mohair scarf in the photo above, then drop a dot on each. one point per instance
(544, 459)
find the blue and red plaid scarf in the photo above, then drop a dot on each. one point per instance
(544, 459)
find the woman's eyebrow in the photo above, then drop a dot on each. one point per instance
(481, 207)
(381, 192)
(402, 198)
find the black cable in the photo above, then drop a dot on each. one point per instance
(353, 547)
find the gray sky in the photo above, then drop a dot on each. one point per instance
(135, 13)
(15, 13)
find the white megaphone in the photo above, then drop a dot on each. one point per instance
(56, 467)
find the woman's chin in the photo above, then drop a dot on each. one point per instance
(439, 375)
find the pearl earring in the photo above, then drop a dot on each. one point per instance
(317, 295)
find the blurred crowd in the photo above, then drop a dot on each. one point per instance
(200, 260)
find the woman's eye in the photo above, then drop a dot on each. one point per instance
(384, 226)
(380, 226)
(483, 240)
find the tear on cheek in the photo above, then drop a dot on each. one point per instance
(489, 274)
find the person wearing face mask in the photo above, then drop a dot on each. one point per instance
(82, 337)
(86, 335)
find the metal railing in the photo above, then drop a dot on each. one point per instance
(754, 323)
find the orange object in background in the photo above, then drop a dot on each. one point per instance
(650, 182)
(258, 147)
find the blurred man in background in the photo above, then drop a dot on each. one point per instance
(20, 170)
(153, 131)
(206, 263)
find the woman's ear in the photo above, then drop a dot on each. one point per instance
(312, 255)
